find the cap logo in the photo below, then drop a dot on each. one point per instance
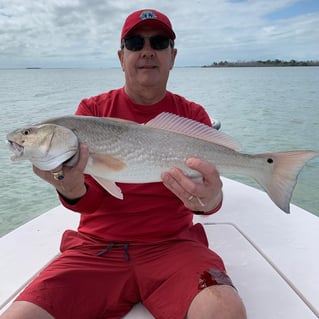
(148, 15)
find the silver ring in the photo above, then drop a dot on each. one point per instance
(59, 175)
(200, 202)
(190, 197)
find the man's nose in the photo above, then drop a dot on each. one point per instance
(147, 49)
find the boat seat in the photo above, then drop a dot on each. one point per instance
(266, 294)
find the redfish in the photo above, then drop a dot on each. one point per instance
(127, 152)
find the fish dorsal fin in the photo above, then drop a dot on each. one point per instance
(172, 122)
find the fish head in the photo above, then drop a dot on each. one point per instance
(46, 145)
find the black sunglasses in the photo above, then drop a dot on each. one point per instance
(157, 42)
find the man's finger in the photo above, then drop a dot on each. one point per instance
(208, 171)
(84, 155)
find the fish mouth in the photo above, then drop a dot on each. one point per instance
(16, 148)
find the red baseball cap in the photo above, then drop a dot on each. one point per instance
(147, 17)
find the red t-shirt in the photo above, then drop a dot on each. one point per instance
(149, 212)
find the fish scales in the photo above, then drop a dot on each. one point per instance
(149, 151)
(123, 151)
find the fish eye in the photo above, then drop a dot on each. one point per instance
(27, 131)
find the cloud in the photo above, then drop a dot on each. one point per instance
(85, 33)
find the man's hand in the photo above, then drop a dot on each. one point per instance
(71, 185)
(197, 196)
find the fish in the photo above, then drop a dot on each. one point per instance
(127, 152)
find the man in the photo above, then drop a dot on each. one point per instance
(144, 248)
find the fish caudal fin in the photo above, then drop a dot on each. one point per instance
(280, 174)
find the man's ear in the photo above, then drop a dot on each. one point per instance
(173, 56)
(120, 54)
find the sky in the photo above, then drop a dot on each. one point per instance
(85, 33)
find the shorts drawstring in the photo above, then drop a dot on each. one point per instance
(126, 254)
(111, 245)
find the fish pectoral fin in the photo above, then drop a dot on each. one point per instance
(110, 187)
(99, 166)
(175, 123)
(105, 162)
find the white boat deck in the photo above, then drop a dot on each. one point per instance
(271, 257)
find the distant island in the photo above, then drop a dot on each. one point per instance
(261, 63)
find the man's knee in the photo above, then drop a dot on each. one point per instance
(218, 302)
(25, 310)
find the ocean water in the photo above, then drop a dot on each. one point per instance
(265, 109)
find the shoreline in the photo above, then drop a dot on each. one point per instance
(262, 63)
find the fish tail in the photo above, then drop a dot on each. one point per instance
(279, 176)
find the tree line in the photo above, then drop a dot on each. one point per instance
(263, 63)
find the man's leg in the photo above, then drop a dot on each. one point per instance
(217, 302)
(25, 310)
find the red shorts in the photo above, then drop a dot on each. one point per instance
(94, 279)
